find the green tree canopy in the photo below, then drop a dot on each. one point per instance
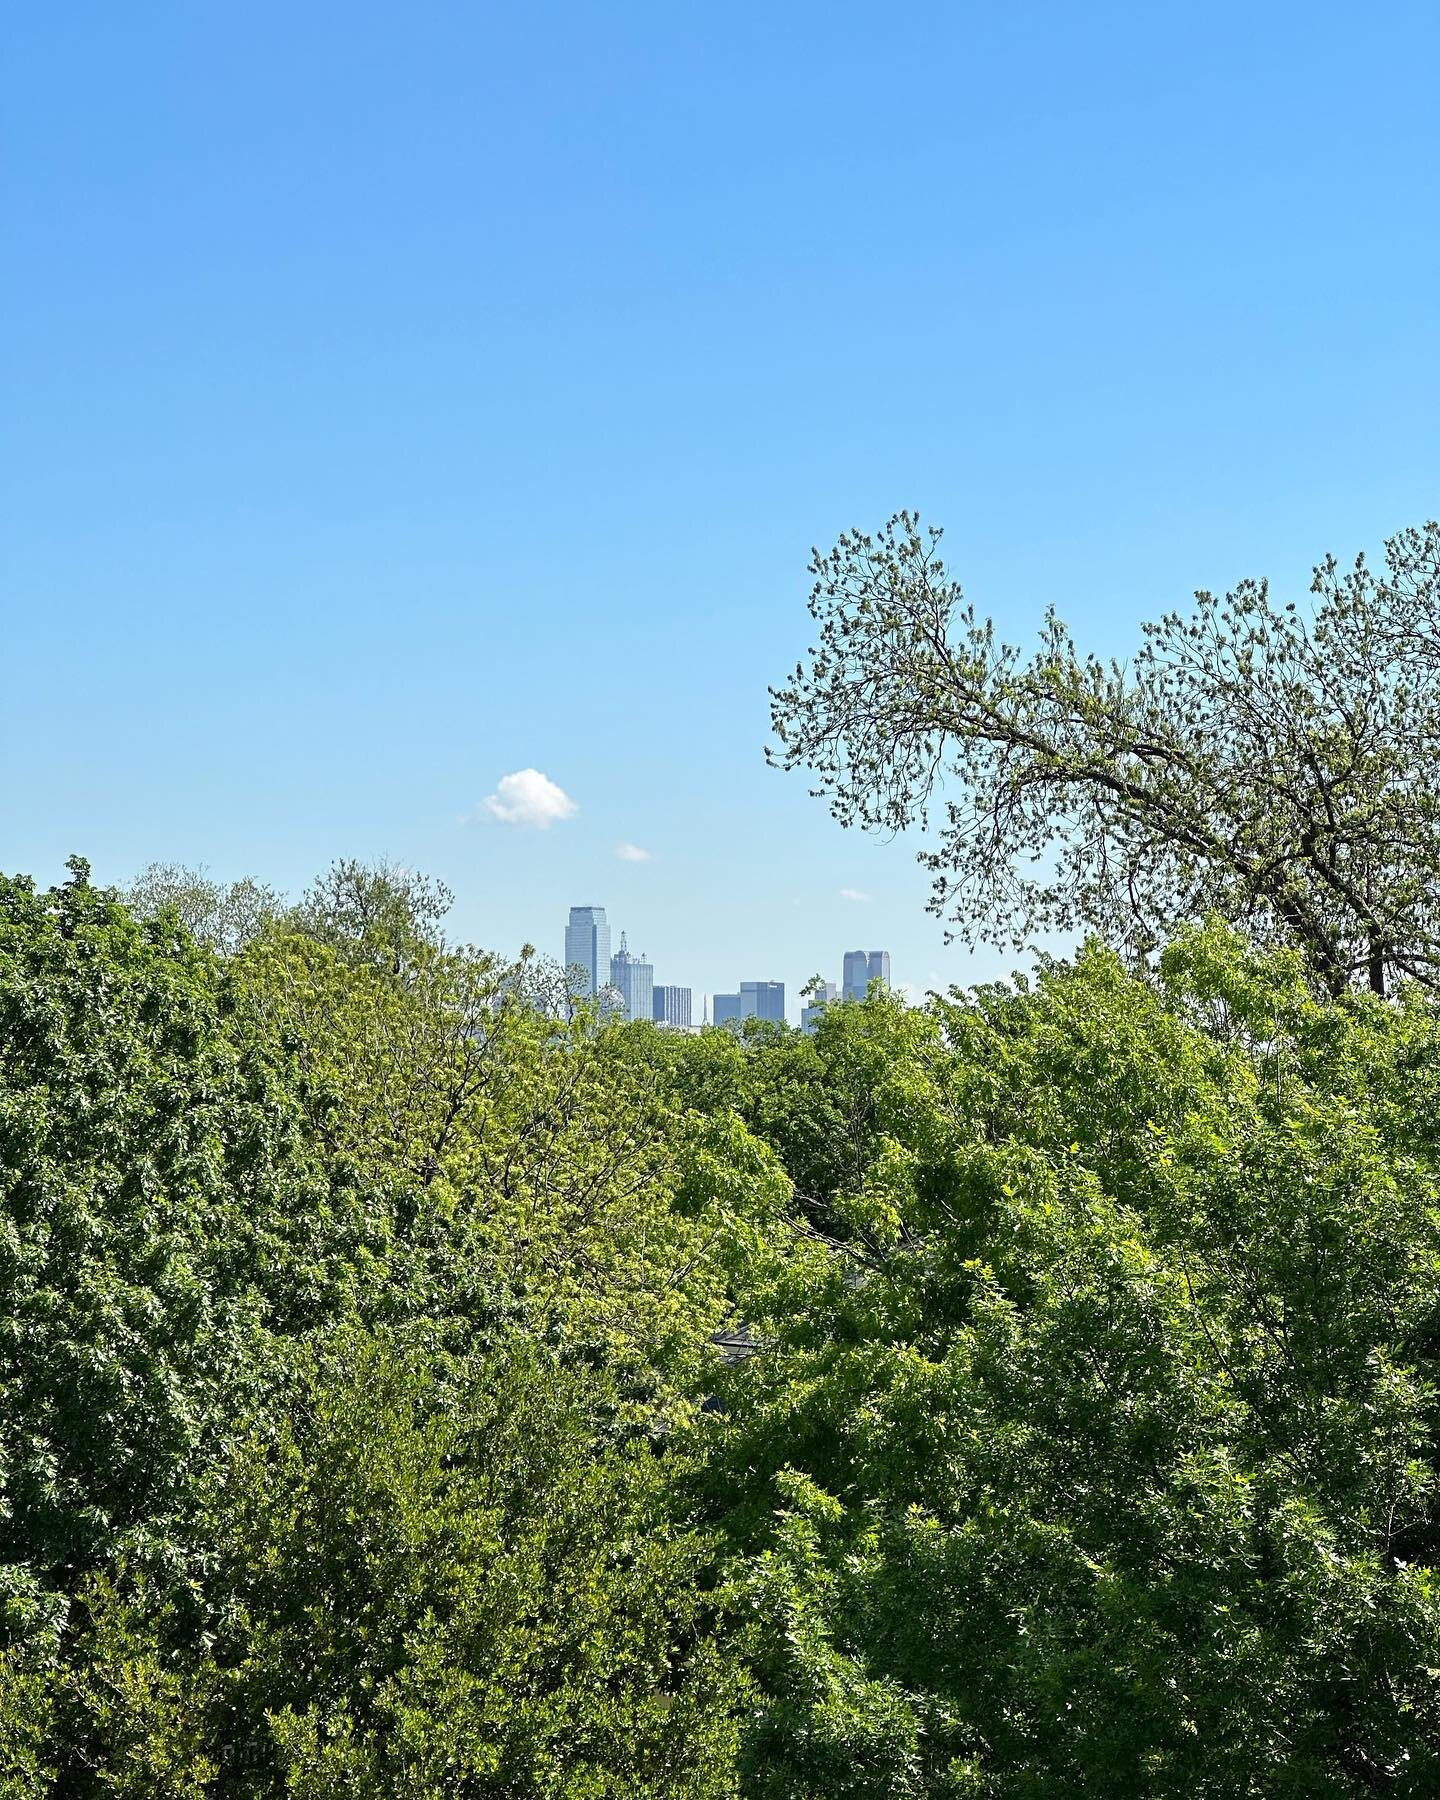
(404, 1391)
(224, 916)
(1275, 765)
(348, 1308)
(1094, 1452)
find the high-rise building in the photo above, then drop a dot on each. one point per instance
(820, 997)
(856, 978)
(671, 1006)
(861, 968)
(587, 951)
(763, 1000)
(725, 1008)
(633, 978)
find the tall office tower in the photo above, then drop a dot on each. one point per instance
(726, 1008)
(763, 1000)
(671, 1006)
(861, 968)
(825, 995)
(856, 979)
(587, 948)
(634, 980)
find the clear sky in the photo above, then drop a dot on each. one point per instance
(401, 396)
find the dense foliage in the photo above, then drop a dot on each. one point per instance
(345, 1305)
(1100, 1447)
(404, 1391)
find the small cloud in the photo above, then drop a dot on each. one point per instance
(631, 853)
(530, 799)
(856, 894)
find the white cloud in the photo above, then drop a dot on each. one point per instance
(855, 894)
(631, 853)
(530, 799)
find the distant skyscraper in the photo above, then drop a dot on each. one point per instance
(861, 968)
(633, 978)
(856, 978)
(587, 948)
(671, 1006)
(726, 1007)
(763, 1000)
(826, 994)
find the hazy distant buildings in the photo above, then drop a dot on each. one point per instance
(820, 997)
(861, 968)
(671, 1006)
(762, 1000)
(625, 984)
(633, 978)
(587, 950)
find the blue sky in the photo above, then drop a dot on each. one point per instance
(399, 397)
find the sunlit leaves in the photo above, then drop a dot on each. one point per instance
(1273, 766)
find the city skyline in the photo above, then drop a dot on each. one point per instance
(634, 992)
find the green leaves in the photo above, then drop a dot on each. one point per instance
(468, 1585)
(1112, 1459)
(347, 1305)
(1274, 769)
(147, 1169)
(405, 1391)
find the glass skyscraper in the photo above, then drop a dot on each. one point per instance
(587, 950)
(856, 978)
(726, 1008)
(634, 980)
(861, 968)
(763, 1000)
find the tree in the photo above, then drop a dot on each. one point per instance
(381, 914)
(166, 1222)
(333, 1257)
(1098, 1439)
(1278, 767)
(1095, 1452)
(224, 916)
(163, 1212)
(452, 1575)
(537, 1161)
